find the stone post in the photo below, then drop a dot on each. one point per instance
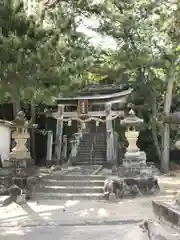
(59, 131)
(49, 147)
(109, 134)
(73, 148)
(65, 147)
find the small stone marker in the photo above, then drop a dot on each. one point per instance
(21, 199)
(5, 200)
(112, 197)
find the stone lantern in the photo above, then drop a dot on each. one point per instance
(133, 156)
(22, 175)
(20, 153)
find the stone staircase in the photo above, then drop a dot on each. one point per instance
(92, 147)
(70, 187)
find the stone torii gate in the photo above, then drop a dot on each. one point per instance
(85, 113)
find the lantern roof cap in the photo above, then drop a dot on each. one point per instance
(132, 119)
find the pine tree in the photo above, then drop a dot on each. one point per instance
(147, 53)
(39, 62)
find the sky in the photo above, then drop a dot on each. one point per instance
(95, 38)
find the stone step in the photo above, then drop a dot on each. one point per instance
(99, 154)
(55, 182)
(94, 152)
(98, 142)
(98, 147)
(76, 177)
(61, 196)
(88, 156)
(85, 148)
(94, 159)
(90, 163)
(69, 189)
(167, 211)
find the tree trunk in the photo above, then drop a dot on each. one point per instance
(33, 143)
(166, 130)
(154, 126)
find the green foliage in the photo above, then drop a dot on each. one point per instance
(147, 54)
(41, 58)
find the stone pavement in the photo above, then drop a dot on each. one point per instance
(67, 218)
(79, 219)
(55, 212)
(127, 232)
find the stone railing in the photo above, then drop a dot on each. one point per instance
(74, 146)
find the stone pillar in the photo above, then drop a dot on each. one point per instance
(49, 147)
(59, 132)
(109, 134)
(65, 147)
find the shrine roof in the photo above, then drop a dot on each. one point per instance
(101, 89)
(114, 93)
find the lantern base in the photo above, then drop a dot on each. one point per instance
(134, 165)
(132, 159)
(20, 155)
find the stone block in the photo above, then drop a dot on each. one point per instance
(136, 156)
(168, 212)
(7, 164)
(21, 199)
(20, 163)
(30, 194)
(112, 197)
(5, 200)
(20, 155)
(156, 231)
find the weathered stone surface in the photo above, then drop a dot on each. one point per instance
(155, 231)
(31, 193)
(21, 199)
(5, 200)
(114, 170)
(146, 185)
(134, 159)
(137, 171)
(131, 187)
(14, 191)
(167, 212)
(112, 197)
